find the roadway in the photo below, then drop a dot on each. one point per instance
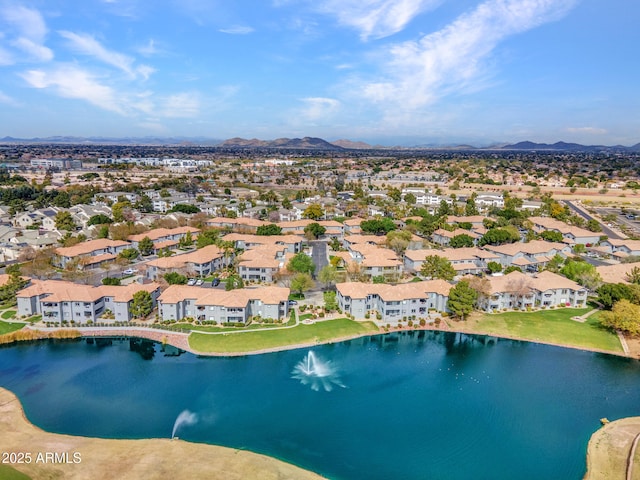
(319, 255)
(584, 214)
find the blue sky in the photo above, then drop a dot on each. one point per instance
(383, 71)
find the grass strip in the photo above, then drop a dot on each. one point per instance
(319, 332)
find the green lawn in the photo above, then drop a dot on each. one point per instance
(10, 473)
(552, 326)
(319, 332)
(8, 327)
(214, 328)
(8, 314)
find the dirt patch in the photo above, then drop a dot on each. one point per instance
(101, 459)
(609, 449)
(634, 346)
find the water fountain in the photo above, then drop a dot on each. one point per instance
(184, 418)
(316, 373)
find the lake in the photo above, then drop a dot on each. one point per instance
(412, 405)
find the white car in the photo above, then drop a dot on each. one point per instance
(199, 282)
(192, 281)
(129, 271)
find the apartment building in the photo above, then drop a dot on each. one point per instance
(393, 302)
(59, 301)
(207, 304)
(90, 253)
(518, 291)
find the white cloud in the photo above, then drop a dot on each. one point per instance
(455, 58)
(588, 130)
(7, 100)
(88, 45)
(70, 81)
(149, 49)
(237, 30)
(6, 58)
(35, 50)
(375, 18)
(30, 32)
(181, 105)
(318, 108)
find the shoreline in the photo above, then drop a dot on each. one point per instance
(78, 457)
(181, 340)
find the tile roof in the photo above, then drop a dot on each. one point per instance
(84, 248)
(234, 298)
(402, 291)
(62, 291)
(159, 233)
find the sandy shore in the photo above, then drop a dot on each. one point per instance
(101, 459)
(610, 455)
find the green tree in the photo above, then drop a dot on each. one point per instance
(378, 226)
(410, 198)
(576, 269)
(579, 248)
(500, 236)
(111, 281)
(594, 226)
(624, 316)
(129, 254)
(234, 282)
(142, 304)
(398, 241)
(462, 298)
(555, 264)
(270, 229)
(99, 219)
(301, 282)
(185, 208)
(103, 231)
(551, 236)
(144, 204)
(64, 221)
(174, 278)
(314, 230)
(207, 237)
(146, 246)
(186, 241)
(313, 211)
(435, 266)
(470, 207)
(330, 302)
(328, 275)
(301, 263)
(494, 267)
(461, 241)
(633, 275)
(512, 268)
(118, 210)
(610, 293)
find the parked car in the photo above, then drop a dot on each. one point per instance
(191, 281)
(129, 271)
(292, 303)
(216, 282)
(199, 282)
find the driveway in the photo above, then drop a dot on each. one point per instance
(319, 255)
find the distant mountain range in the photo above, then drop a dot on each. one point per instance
(62, 140)
(568, 147)
(306, 143)
(310, 143)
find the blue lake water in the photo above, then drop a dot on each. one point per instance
(416, 405)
